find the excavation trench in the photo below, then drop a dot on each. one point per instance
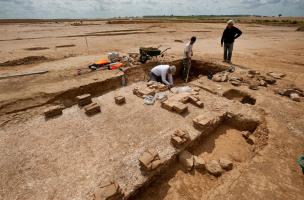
(97, 88)
(135, 74)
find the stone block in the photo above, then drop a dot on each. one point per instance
(84, 100)
(276, 75)
(295, 97)
(226, 164)
(168, 105)
(120, 100)
(205, 121)
(246, 134)
(187, 160)
(262, 83)
(108, 191)
(141, 92)
(150, 160)
(176, 141)
(193, 99)
(179, 138)
(199, 163)
(180, 107)
(53, 111)
(251, 140)
(254, 87)
(199, 104)
(155, 164)
(185, 99)
(213, 167)
(236, 83)
(92, 109)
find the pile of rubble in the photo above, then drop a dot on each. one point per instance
(213, 167)
(254, 79)
(294, 94)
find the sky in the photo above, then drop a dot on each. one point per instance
(45, 9)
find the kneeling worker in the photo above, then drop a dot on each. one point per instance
(163, 74)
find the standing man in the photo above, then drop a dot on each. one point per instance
(163, 74)
(188, 53)
(229, 35)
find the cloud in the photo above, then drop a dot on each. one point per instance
(258, 3)
(110, 8)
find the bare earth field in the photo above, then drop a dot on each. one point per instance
(68, 157)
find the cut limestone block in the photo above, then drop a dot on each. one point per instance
(187, 160)
(199, 163)
(168, 105)
(141, 92)
(195, 100)
(155, 164)
(150, 160)
(205, 121)
(53, 111)
(108, 191)
(199, 104)
(120, 100)
(92, 109)
(214, 168)
(84, 100)
(179, 138)
(185, 99)
(157, 86)
(226, 164)
(180, 107)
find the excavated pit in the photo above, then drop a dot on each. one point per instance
(240, 96)
(111, 142)
(222, 139)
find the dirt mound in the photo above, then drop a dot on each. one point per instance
(24, 61)
(301, 28)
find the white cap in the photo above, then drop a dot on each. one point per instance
(172, 69)
(230, 22)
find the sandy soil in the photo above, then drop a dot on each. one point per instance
(271, 174)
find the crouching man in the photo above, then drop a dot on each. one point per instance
(163, 74)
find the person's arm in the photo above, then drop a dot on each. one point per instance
(222, 40)
(170, 78)
(164, 77)
(238, 33)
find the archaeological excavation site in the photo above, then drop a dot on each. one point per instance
(72, 130)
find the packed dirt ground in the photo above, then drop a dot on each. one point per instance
(58, 159)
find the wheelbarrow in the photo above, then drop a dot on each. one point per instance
(147, 53)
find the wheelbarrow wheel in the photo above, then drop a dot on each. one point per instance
(143, 58)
